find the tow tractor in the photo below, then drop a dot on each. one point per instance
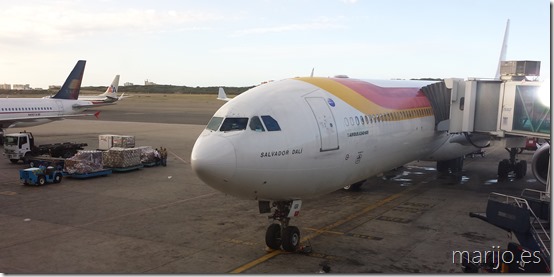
(39, 176)
(21, 146)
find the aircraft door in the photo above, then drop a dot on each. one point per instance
(326, 123)
(60, 107)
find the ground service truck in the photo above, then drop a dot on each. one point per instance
(21, 146)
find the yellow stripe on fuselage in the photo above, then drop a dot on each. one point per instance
(347, 95)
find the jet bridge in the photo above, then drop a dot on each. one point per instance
(511, 106)
(510, 109)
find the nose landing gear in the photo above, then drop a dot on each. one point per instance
(281, 234)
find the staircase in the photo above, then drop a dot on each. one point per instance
(528, 218)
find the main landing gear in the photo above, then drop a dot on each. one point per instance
(519, 167)
(279, 233)
(450, 166)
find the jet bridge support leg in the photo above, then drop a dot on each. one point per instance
(281, 234)
(506, 166)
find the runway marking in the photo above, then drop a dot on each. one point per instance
(394, 219)
(258, 261)
(176, 156)
(8, 193)
(323, 230)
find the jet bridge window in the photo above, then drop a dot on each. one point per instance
(234, 124)
(270, 123)
(214, 123)
(256, 124)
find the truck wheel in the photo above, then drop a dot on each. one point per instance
(41, 180)
(57, 178)
(14, 161)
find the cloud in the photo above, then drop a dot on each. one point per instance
(66, 21)
(318, 24)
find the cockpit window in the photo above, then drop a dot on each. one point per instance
(234, 124)
(270, 123)
(214, 123)
(256, 124)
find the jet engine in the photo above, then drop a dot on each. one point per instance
(541, 163)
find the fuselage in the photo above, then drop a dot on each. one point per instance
(24, 112)
(299, 138)
(99, 99)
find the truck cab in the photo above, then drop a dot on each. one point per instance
(17, 146)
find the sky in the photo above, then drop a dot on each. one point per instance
(246, 42)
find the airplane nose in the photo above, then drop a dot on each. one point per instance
(213, 160)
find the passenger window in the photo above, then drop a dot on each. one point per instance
(234, 124)
(270, 123)
(256, 124)
(214, 123)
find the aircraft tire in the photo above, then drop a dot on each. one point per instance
(291, 238)
(521, 169)
(503, 170)
(442, 166)
(273, 236)
(456, 165)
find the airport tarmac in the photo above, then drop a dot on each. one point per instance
(165, 220)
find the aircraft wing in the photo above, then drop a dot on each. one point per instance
(91, 105)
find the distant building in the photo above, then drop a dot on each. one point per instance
(6, 86)
(54, 87)
(148, 83)
(128, 84)
(21, 87)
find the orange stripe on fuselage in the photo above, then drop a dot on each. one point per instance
(369, 98)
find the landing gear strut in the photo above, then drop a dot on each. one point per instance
(519, 167)
(279, 233)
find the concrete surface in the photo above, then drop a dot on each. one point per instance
(165, 220)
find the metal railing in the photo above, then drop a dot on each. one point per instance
(522, 203)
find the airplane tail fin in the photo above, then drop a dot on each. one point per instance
(72, 85)
(111, 91)
(503, 50)
(221, 95)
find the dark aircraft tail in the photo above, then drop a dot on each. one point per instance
(72, 85)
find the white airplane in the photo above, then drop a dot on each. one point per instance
(299, 138)
(24, 112)
(107, 98)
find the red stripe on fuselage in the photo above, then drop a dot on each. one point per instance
(391, 98)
